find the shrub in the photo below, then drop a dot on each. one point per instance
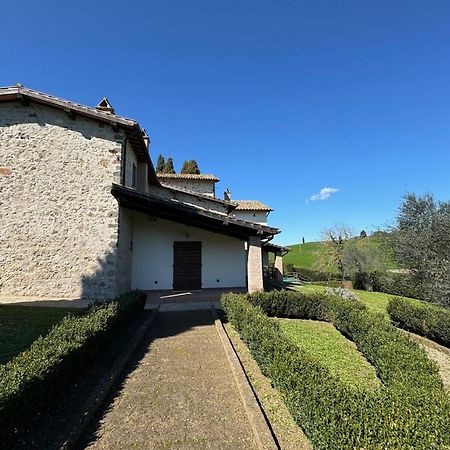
(427, 320)
(32, 377)
(410, 411)
(394, 283)
(288, 268)
(315, 275)
(334, 284)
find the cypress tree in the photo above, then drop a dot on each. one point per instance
(168, 166)
(160, 163)
(190, 167)
(185, 168)
(194, 167)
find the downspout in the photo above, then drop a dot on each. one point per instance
(124, 161)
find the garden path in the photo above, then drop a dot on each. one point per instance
(181, 393)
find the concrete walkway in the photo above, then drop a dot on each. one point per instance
(181, 394)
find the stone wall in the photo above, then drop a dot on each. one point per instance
(58, 219)
(125, 250)
(206, 187)
(130, 160)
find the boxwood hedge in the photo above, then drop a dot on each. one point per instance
(411, 410)
(30, 379)
(425, 319)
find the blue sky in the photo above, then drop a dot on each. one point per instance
(278, 99)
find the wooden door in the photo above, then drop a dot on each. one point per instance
(187, 265)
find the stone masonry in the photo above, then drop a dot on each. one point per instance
(58, 219)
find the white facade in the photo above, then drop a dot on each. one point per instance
(224, 258)
(251, 216)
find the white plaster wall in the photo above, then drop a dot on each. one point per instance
(223, 258)
(251, 216)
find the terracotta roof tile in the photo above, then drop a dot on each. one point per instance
(251, 205)
(188, 176)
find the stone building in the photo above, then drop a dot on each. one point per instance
(83, 213)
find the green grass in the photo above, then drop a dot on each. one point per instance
(21, 325)
(302, 255)
(305, 255)
(376, 302)
(339, 355)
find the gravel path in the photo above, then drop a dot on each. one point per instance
(180, 395)
(437, 353)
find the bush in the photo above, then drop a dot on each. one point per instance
(32, 377)
(410, 411)
(288, 268)
(394, 283)
(314, 275)
(333, 284)
(421, 318)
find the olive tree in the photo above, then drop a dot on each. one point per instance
(421, 242)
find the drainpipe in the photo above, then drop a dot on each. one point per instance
(124, 161)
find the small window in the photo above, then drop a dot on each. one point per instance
(134, 177)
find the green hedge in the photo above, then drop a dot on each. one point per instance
(331, 283)
(314, 275)
(427, 320)
(411, 410)
(402, 284)
(32, 377)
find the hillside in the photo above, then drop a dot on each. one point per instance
(302, 255)
(305, 255)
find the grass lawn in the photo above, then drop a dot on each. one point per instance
(375, 301)
(302, 255)
(21, 325)
(338, 354)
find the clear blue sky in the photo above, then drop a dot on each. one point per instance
(278, 99)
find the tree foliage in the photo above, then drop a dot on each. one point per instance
(331, 251)
(348, 255)
(160, 164)
(168, 166)
(421, 242)
(190, 167)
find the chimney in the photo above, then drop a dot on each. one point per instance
(146, 137)
(227, 195)
(105, 106)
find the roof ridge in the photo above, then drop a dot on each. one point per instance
(26, 90)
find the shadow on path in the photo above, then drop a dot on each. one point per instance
(177, 392)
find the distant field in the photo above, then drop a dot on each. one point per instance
(305, 255)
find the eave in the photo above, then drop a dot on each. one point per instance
(188, 215)
(131, 128)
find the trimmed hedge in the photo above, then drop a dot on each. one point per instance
(331, 283)
(314, 275)
(410, 411)
(402, 284)
(427, 320)
(32, 377)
